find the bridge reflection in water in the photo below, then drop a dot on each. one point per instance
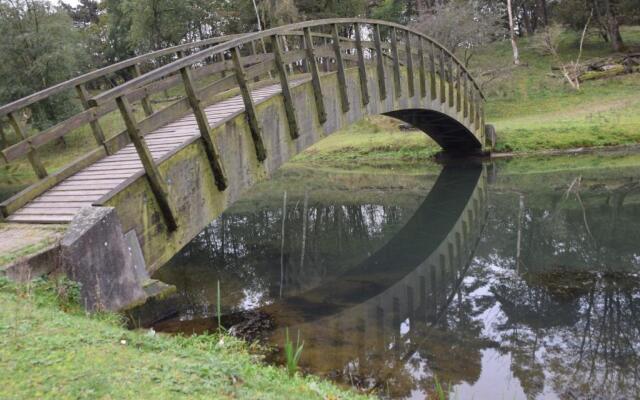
(522, 293)
(399, 272)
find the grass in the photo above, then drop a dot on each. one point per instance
(292, 353)
(50, 349)
(369, 142)
(533, 110)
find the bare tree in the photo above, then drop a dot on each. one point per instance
(512, 34)
(460, 27)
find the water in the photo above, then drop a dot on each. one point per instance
(499, 281)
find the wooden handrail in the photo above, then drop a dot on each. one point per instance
(244, 70)
(247, 38)
(99, 73)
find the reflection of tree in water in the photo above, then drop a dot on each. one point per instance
(569, 316)
(243, 250)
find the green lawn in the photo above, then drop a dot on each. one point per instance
(533, 110)
(49, 349)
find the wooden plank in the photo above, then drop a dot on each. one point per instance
(32, 154)
(409, 63)
(342, 78)
(382, 87)
(67, 199)
(289, 106)
(46, 211)
(54, 205)
(208, 141)
(249, 107)
(17, 201)
(96, 177)
(42, 219)
(362, 68)
(421, 68)
(153, 175)
(396, 63)
(315, 76)
(75, 192)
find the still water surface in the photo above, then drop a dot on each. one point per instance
(512, 280)
(499, 281)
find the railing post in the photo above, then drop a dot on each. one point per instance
(158, 186)
(380, 64)
(478, 100)
(342, 79)
(421, 67)
(465, 96)
(450, 80)
(432, 71)
(3, 137)
(326, 65)
(205, 130)
(32, 155)
(254, 52)
(458, 88)
(96, 129)
(443, 78)
(412, 89)
(471, 104)
(315, 76)
(249, 107)
(289, 105)
(396, 63)
(482, 123)
(362, 68)
(146, 104)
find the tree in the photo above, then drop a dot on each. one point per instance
(460, 27)
(512, 34)
(38, 49)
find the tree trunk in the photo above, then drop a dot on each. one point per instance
(612, 26)
(542, 12)
(526, 18)
(512, 33)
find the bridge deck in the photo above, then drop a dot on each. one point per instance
(62, 202)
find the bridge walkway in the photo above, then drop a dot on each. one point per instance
(63, 201)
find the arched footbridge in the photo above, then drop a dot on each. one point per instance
(245, 104)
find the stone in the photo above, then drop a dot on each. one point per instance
(96, 254)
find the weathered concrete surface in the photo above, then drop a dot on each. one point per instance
(190, 180)
(95, 253)
(29, 251)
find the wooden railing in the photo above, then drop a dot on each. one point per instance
(237, 63)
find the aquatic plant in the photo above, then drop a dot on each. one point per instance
(292, 353)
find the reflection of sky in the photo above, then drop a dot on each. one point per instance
(512, 336)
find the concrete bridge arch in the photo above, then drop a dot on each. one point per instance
(244, 113)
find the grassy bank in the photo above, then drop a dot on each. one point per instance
(533, 108)
(50, 349)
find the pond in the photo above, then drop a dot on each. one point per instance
(516, 279)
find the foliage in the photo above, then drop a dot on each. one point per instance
(38, 49)
(390, 10)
